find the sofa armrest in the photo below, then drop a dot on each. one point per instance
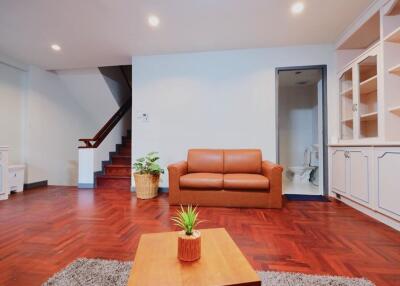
(274, 173)
(175, 171)
(178, 169)
(270, 169)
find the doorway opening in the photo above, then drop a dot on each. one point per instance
(301, 129)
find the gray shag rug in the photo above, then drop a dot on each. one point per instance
(100, 272)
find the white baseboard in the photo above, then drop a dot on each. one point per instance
(370, 212)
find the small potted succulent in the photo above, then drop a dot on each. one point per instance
(189, 239)
(147, 176)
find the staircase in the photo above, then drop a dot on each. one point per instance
(116, 173)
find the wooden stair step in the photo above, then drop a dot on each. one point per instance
(118, 170)
(115, 182)
(121, 159)
(124, 151)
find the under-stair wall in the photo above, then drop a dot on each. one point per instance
(116, 82)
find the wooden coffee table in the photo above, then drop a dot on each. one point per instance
(221, 262)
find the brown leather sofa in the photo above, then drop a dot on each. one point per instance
(226, 178)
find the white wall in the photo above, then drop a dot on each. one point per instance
(90, 90)
(55, 122)
(298, 122)
(215, 99)
(12, 89)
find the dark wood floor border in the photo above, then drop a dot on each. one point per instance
(35, 185)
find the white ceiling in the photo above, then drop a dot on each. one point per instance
(108, 32)
(299, 77)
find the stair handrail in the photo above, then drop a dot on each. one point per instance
(111, 123)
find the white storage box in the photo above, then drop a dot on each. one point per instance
(16, 178)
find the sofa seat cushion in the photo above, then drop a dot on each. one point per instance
(202, 181)
(245, 181)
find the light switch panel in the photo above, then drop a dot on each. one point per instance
(142, 116)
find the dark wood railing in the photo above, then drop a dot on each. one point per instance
(106, 129)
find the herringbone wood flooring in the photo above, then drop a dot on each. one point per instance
(43, 230)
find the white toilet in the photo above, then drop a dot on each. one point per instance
(301, 174)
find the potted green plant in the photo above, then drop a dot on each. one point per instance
(189, 239)
(147, 176)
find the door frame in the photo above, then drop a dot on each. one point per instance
(323, 69)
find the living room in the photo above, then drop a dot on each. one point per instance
(147, 143)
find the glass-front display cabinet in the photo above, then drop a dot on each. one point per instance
(346, 105)
(358, 85)
(368, 97)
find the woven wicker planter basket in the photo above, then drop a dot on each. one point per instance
(146, 185)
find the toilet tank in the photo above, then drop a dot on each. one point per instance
(314, 156)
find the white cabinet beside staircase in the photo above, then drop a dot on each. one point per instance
(4, 190)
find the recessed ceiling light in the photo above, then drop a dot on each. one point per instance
(297, 7)
(56, 47)
(153, 21)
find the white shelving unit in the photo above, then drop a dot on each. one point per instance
(391, 51)
(373, 97)
(365, 161)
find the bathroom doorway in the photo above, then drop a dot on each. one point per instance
(301, 129)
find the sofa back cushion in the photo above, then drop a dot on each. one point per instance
(242, 161)
(205, 161)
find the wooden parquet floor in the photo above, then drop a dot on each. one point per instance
(45, 229)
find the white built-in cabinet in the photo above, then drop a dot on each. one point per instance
(368, 176)
(351, 173)
(365, 156)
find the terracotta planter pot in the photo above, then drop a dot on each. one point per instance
(146, 185)
(189, 246)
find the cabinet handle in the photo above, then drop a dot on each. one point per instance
(355, 107)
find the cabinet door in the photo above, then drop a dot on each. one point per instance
(346, 105)
(338, 171)
(359, 175)
(387, 181)
(367, 95)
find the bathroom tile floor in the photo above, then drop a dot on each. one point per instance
(298, 188)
